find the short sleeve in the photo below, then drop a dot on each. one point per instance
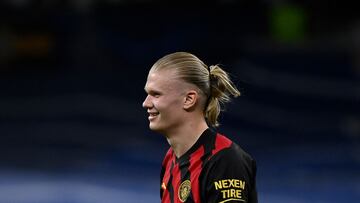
(229, 176)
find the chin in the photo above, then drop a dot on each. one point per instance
(156, 128)
(153, 127)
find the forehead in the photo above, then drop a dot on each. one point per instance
(162, 80)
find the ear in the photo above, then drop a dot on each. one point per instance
(190, 99)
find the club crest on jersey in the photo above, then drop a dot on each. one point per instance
(184, 190)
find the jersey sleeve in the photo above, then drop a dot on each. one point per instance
(229, 176)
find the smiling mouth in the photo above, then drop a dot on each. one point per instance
(153, 115)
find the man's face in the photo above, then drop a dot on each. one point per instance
(164, 101)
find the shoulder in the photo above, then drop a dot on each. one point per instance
(228, 151)
(221, 143)
(233, 156)
(228, 173)
(229, 157)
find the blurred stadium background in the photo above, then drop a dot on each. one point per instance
(72, 129)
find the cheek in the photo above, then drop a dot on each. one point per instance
(157, 104)
(168, 105)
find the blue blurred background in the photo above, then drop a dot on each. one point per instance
(72, 73)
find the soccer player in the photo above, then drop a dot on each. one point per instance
(184, 100)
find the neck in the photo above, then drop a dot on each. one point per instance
(185, 137)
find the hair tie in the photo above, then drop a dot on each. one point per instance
(212, 78)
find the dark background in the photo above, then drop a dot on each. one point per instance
(72, 73)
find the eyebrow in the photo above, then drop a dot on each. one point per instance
(152, 91)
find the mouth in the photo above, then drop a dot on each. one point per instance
(153, 115)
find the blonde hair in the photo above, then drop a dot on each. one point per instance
(213, 81)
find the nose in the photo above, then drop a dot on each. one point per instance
(147, 103)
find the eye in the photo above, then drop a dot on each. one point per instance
(156, 95)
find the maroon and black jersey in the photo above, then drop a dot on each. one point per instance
(215, 169)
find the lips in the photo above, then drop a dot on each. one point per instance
(153, 115)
